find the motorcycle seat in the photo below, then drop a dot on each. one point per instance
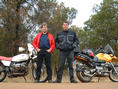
(100, 61)
(6, 58)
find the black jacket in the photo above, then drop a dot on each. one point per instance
(66, 40)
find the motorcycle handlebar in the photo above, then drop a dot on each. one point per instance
(100, 49)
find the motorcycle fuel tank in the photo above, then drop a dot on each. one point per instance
(20, 58)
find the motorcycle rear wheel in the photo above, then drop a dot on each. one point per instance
(3, 73)
(82, 76)
(113, 76)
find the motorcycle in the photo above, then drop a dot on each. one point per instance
(17, 66)
(90, 65)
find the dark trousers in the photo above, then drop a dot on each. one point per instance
(62, 58)
(44, 55)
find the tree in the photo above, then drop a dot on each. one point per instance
(13, 31)
(54, 15)
(102, 26)
(19, 19)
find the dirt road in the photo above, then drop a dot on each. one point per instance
(19, 83)
(59, 86)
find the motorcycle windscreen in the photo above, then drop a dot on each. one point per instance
(20, 58)
(108, 49)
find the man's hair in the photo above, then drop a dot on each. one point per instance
(66, 22)
(43, 24)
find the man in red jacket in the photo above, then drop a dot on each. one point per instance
(44, 44)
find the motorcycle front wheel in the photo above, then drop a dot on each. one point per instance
(3, 73)
(113, 76)
(34, 70)
(43, 70)
(83, 76)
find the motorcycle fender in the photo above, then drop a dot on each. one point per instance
(6, 63)
(1, 64)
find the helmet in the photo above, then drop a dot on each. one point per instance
(88, 52)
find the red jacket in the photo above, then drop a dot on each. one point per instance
(36, 41)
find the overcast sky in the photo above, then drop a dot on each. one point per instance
(84, 8)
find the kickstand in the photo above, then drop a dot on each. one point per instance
(25, 79)
(98, 79)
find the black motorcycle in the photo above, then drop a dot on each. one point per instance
(90, 65)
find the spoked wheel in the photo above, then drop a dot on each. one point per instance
(84, 75)
(3, 73)
(113, 76)
(34, 70)
(43, 77)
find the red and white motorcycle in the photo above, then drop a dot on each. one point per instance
(17, 66)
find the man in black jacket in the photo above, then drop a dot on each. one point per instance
(66, 41)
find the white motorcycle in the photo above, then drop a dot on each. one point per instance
(17, 66)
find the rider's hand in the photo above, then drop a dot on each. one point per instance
(38, 50)
(49, 50)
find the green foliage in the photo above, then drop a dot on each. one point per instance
(102, 27)
(20, 18)
(54, 15)
(13, 32)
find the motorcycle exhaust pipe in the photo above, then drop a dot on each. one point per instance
(115, 65)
